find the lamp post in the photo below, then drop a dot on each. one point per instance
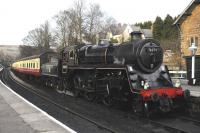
(193, 49)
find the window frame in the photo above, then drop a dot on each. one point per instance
(194, 41)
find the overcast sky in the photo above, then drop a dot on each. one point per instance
(17, 17)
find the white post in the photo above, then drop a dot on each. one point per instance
(193, 69)
(193, 49)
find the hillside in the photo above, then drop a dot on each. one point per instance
(11, 50)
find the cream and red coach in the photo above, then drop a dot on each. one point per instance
(36, 65)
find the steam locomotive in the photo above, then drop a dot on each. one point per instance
(131, 72)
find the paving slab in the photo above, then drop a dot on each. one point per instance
(194, 90)
(19, 116)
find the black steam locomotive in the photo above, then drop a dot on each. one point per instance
(131, 72)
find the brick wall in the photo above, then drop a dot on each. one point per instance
(190, 28)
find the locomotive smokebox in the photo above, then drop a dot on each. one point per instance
(149, 56)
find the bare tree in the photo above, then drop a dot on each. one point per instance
(93, 22)
(40, 37)
(47, 37)
(78, 15)
(108, 25)
(34, 38)
(62, 28)
(70, 25)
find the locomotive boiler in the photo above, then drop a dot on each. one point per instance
(145, 55)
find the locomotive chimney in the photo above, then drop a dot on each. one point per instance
(136, 35)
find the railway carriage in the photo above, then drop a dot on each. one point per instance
(30, 66)
(39, 66)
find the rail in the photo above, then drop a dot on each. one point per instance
(49, 100)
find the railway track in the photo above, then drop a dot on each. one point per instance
(173, 123)
(171, 128)
(180, 124)
(7, 78)
(162, 124)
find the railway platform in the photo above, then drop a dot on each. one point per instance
(194, 90)
(19, 116)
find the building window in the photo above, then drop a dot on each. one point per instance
(194, 41)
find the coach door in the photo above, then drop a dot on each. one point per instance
(67, 59)
(71, 58)
(64, 63)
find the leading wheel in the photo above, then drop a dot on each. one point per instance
(89, 96)
(147, 112)
(137, 106)
(108, 101)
